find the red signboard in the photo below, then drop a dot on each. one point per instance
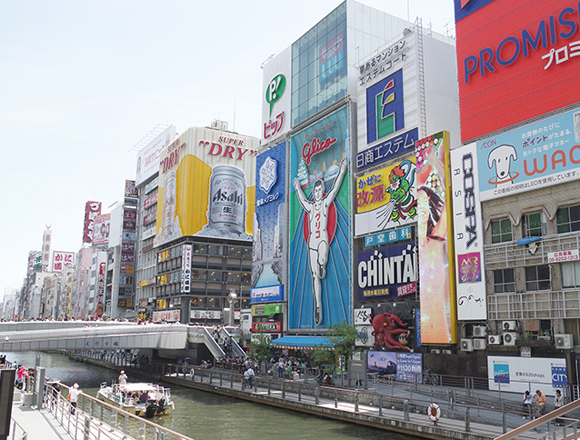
(266, 327)
(130, 214)
(516, 60)
(92, 209)
(150, 201)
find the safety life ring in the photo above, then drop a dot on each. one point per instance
(434, 412)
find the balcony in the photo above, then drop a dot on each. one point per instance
(534, 305)
(510, 254)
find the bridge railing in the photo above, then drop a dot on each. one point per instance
(17, 431)
(95, 419)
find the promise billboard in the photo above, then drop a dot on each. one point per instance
(206, 186)
(514, 65)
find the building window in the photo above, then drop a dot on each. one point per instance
(568, 219)
(570, 274)
(532, 225)
(501, 231)
(538, 278)
(503, 281)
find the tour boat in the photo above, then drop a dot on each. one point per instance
(141, 399)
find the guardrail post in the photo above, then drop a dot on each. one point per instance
(126, 424)
(380, 406)
(269, 385)
(141, 430)
(231, 381)
(504, 422)
(87, 430)
(335, 400)
(255, 385)
(299, 394)
(210, 377)
(467, 421)
(283, 390)
(221, 379)
(406, 409)
(355, 402)
(317, 395)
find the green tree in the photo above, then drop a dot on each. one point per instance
(340, 350)
(260, 348)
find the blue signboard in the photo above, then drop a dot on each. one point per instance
(403, 366)
(269, 218)
(388, 272)
(320, 226)
(532, 157)
(267, 294)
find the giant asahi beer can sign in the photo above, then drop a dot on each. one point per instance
(227, 206)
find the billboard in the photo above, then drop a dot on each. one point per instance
(34, 261)
(434, 227)
(514, 66)
(320, 230)
(206, 186)
(92, 209)
(387, 272)
(276, 96)
(46, 240)
(535, 156)
(267, 294)
(148, 156)
(386, 198)
(102, 229)
(186, 268)
(520, 374)
(387, 94)
(100, 288)
(62, 259)
(167, 315)
(403, 366)
(468, 225)
(269, 217)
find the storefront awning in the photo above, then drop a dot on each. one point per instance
(301, 341)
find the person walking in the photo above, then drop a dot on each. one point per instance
(540, 401)
(558, 403)
(73, 396)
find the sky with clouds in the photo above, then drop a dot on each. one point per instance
(83, 81)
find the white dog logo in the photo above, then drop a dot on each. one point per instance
(502, 157)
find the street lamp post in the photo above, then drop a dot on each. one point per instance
(232, 300)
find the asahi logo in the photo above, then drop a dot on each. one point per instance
(469, 199)
(223, 196)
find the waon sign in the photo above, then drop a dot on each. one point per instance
(516, 60)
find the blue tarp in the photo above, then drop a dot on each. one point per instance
(301, 341)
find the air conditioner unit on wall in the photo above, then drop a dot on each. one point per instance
(509, 338)
(509, 325)
(564, 341)
(466, 345)
(479, 331)
(494, 340)
(479, 344)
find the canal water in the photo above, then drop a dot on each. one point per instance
(207, 416)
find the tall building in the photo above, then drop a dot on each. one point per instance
(343, 106)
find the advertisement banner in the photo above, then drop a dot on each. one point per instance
(386, 198)
(221, 167)
(102, 230)
(535, 156)
(513, 67)
(205, 314)
(100, 288)
(276, 96)
(150, 201)
(92, 209)
(268, 309)
(62, 259)
(148, 156)
(167, 316)
(46, 241)
(434, 229)
(269, 217)
(131, 191)
(186, 268)
(364, 336)
(468, 225)
(362, 316)
(387, 110)
(320, 229)
(520, 374)
(403, 366)
(267, 294)
(129, 214)
(388, 272)
(266, 327)
(563, 256)
(34, 261)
